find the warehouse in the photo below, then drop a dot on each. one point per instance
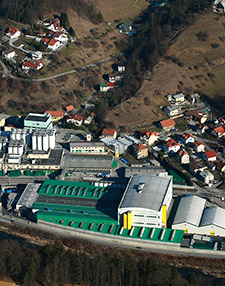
(213, 222)
(28, 197)
(193, 216)
(189, 214)
(145, 201)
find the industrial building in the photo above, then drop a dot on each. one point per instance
(193, 216)
(16, 147)
(37, 121)
(28, 197)
(18, 134)
(145, 201)
(87, 147)
(43, 139)
(152, 170)
(92, 207)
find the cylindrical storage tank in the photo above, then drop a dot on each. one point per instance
(13, 135)
(1, 145)
(28, 139)
(39, 142)
(34, 142)
(51, 140)
(15, 150)
(10, 150)
(18, 136)
(20, 150)
(45, 142)
(4, 147)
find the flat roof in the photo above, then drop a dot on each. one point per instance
(87, 162)
(29, 195)
(152, 195)
(54, 158)
(86, 144)
(190, 210)
(37, 117)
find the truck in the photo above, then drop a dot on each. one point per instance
(124, 161)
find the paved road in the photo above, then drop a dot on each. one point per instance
(8, 73)
(113, 241)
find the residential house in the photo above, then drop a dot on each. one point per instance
(60, 36)
(69, 108)
(140, 151)
(126, 28)
(35, 65)
(218, 131)
(210, 155)
(121, 67)
(221, 166)
(114, 76)
(206, 177)
(167, 124)
(199, 147)
(183, 157)
(211, 165)
(148, 137)
(109, 133)
(201, 128)
(172, 110)
(106, 86)
(196, 167)
(81, 147)
(188, 138)
(9, 54)
(196, 115)
(178, 98)
(54, 44)
(75, 119)
(53, 25)
(13, 33)
(56, 115)
(171, 146)
(88, 120)
(35, 55)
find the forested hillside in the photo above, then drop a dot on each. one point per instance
(27, 11)
(90, 266)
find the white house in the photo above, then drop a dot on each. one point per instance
(188, 138)
(183, 156)
(206, 177)
(35, 55)
(75, 119)
(148, 137)
(179, 98)
(199, 147)
(109, 133)
(9, 54)
(13, 33)
(54, 44)
(60, 36)
(172, 110)
(171, 145)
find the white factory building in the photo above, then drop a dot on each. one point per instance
(145, 201)
(193, 216)
(16, 147)
(43, 139)
(18, 134)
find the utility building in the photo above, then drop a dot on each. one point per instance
(145, 201)
(36, 121)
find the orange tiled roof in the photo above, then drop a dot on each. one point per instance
(167, 122)
(55, 113)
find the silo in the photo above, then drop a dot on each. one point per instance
(20, 149)
(13, 135)
(18, 134)
(45, 142)
(52, 139)
(15, 149)
(34, 141)
(28, 137)
(39, 141)
(10, 149)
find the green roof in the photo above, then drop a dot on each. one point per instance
(103, 84)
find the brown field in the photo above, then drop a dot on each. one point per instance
(195, 66)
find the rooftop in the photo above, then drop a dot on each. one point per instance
(167, 122)
(215, 216)
(37, 117)
(152, 195)
(29, 195)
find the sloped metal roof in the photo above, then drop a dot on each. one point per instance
(152, 195)
(215, 216)
(190, 210)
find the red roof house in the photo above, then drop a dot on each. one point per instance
(219, 131)
(75, 119)
(167, 124)
(210, 155)
(109, 133)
